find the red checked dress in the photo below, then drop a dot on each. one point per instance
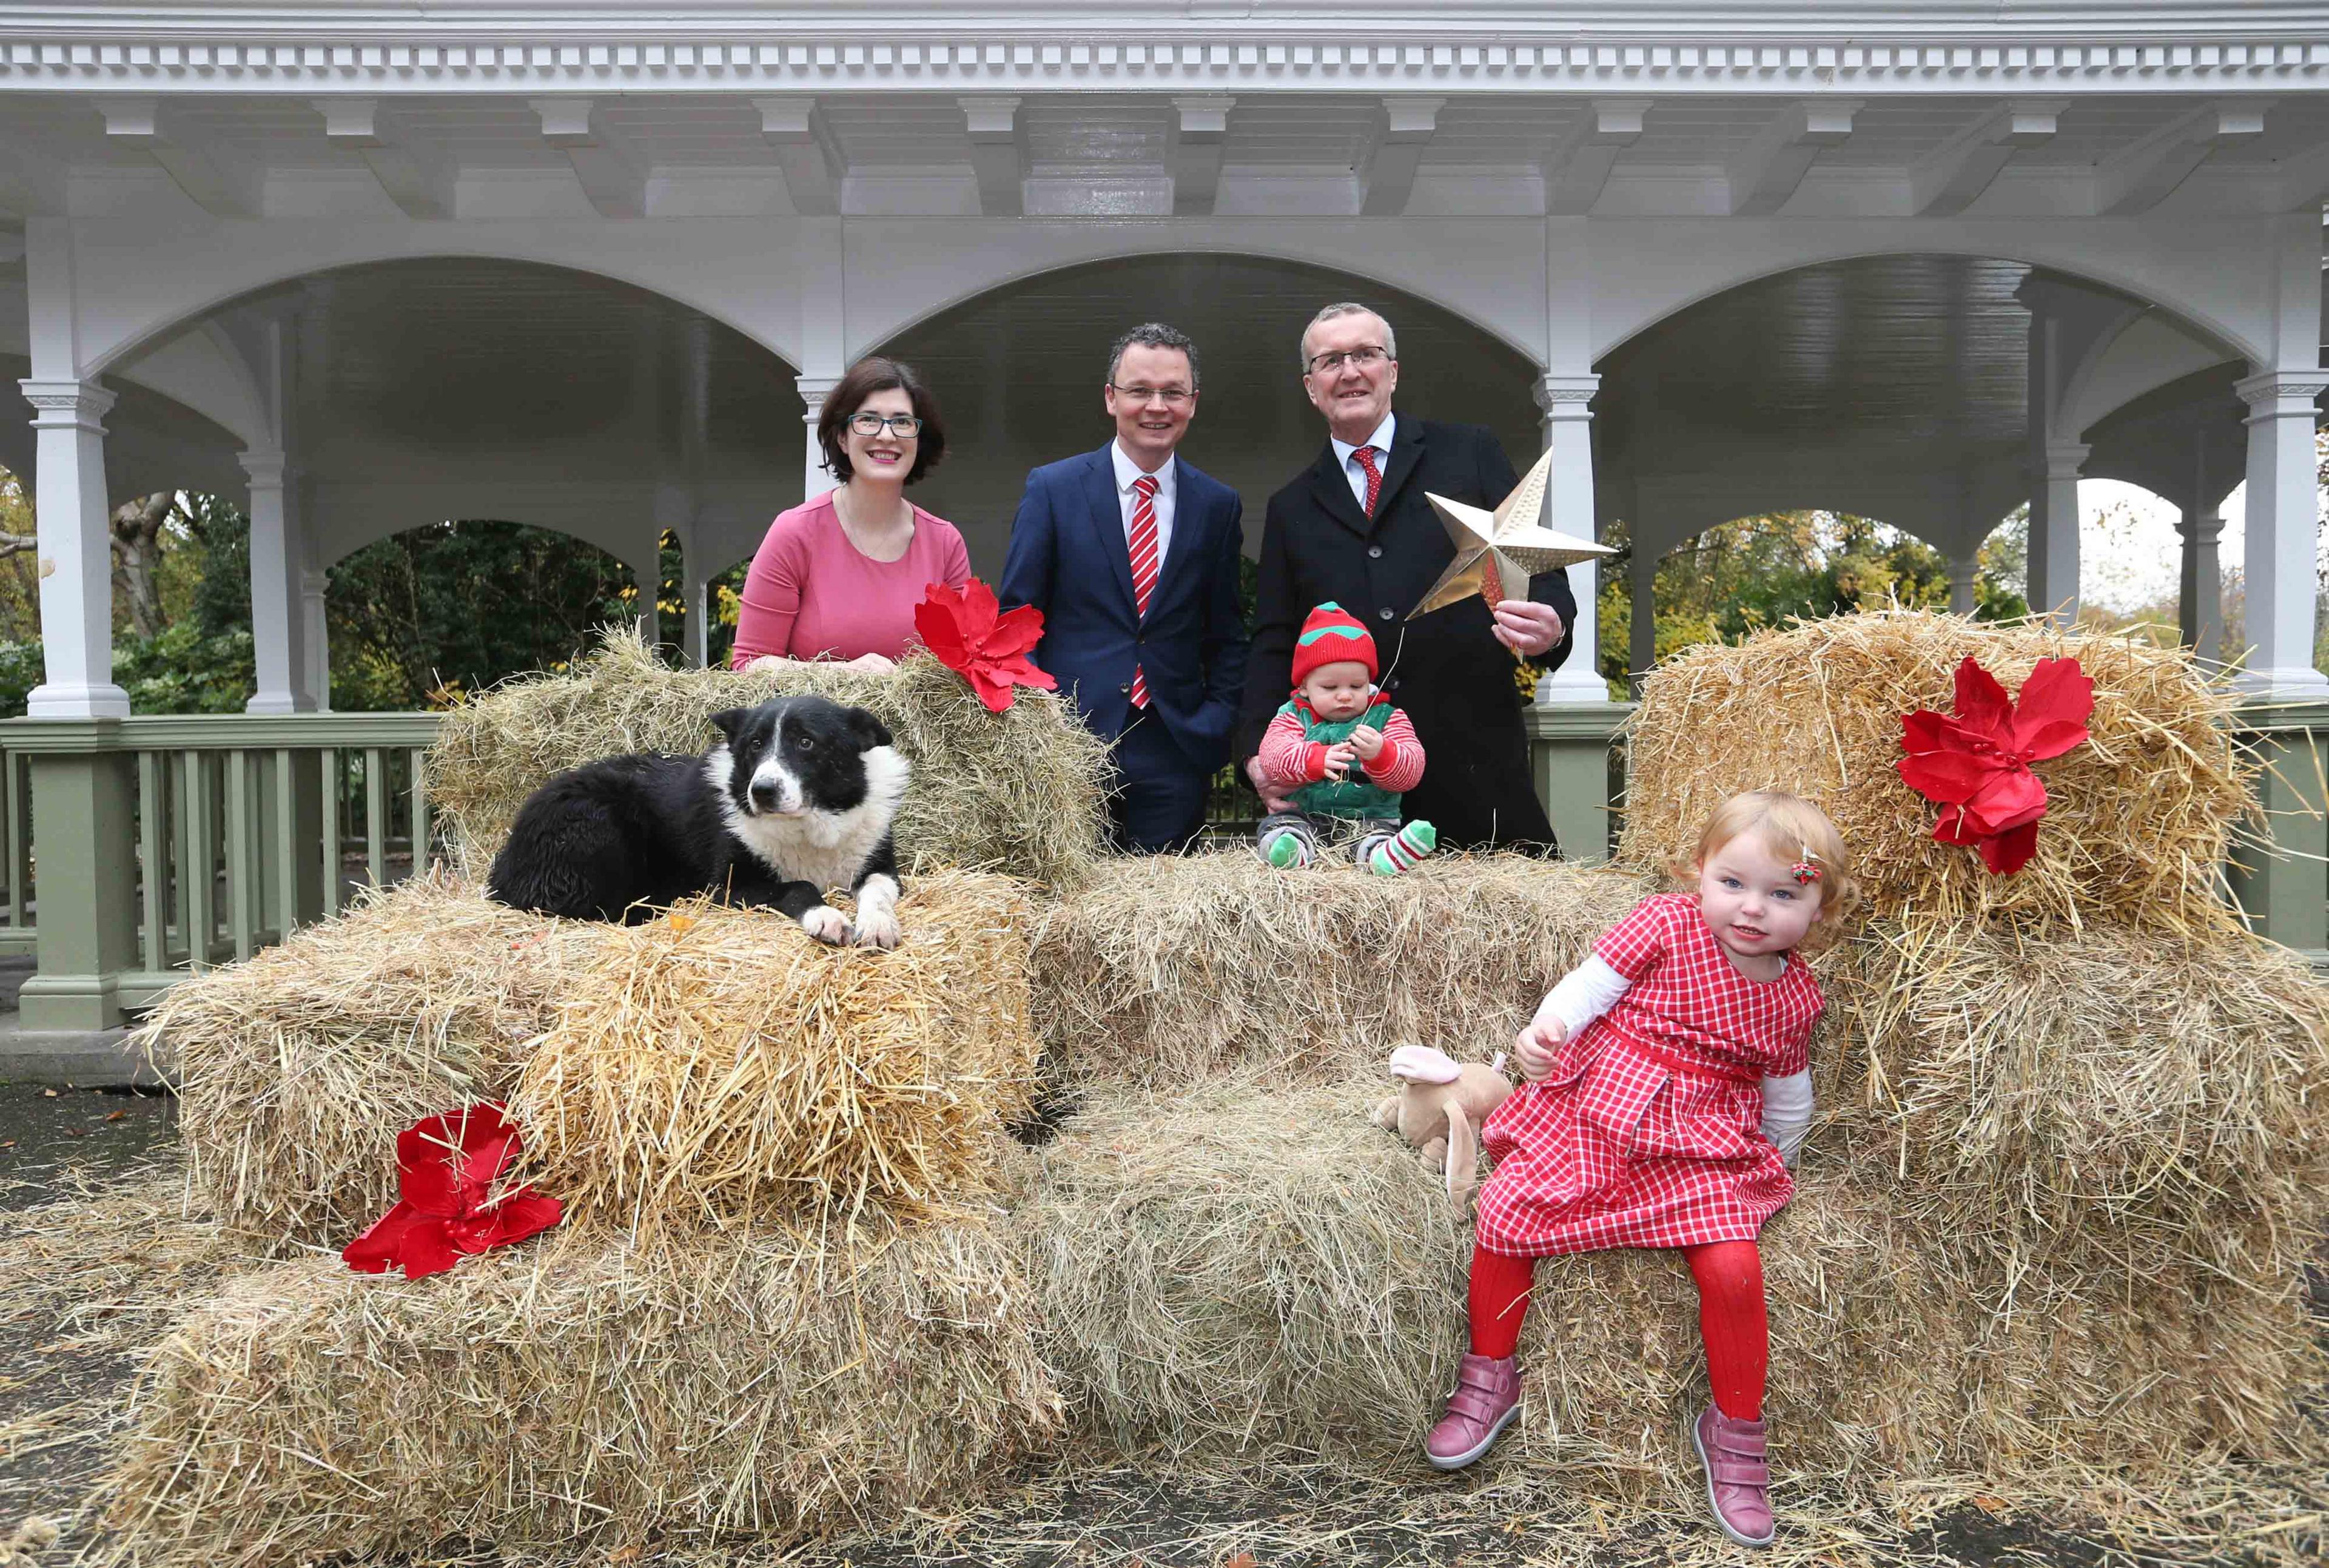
(1647, 1131)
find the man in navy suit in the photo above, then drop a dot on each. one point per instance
(1132, 556)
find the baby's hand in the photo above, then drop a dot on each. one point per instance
(1367, 742)
(1534, 1050)
(1339, 757)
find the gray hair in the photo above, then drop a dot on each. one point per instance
(1349, 307)
(1153, 334)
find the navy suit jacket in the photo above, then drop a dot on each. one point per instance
(1068, 559)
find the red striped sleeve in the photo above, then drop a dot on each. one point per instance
(1399, 766)
(1289, 759)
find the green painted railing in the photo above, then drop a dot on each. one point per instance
(166, 843)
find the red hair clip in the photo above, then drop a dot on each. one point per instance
(1805, 872)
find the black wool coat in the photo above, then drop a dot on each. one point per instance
(1445, 668)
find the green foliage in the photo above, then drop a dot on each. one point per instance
(180, 670)
(1739, 577)
(425, 615)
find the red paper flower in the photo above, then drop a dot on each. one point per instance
(445, 1168)
(960, 626)
(1977, 764)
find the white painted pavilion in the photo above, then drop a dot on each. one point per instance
(589, 265)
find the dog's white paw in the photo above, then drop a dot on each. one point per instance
(877, 928)
(827, 924)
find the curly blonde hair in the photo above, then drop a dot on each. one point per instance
(1793, 829)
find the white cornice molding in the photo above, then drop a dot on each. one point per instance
(597, 53)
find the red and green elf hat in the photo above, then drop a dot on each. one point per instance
(1332, 636)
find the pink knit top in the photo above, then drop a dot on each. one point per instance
(811, 594)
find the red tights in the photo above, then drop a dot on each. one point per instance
(1731, 1316)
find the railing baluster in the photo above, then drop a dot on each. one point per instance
(287, 850)
(331, 770)
(241, 886)
(152, 865)
(20, 838)
(377, 813)
(197, 852)
(420, 811)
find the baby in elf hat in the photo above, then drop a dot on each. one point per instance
(1341, 753)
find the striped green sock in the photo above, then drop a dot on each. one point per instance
(1393, 855)
(1284, 849)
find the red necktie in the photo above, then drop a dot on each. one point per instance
(1144, 566)
(1366, 457)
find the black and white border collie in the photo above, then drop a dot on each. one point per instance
(796, 797)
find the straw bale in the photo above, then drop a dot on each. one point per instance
(2137, 820)
(716, 1064)
(1252, 1275)
(2150, 1094)
(1017, 791)
(298, 1067)
(586, 1394)
(1168, 968)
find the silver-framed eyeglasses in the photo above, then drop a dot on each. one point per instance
(1172, 397)
(866, 422)
(1366, 358)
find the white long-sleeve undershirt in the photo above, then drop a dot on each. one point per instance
(1593, 987)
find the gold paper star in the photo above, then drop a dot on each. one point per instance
(1496, 553)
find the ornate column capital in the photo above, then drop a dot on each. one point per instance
(2282, 394)
(813, 389)
(268, 468)
(1565, 397)
(2065, 459)
(68, 404)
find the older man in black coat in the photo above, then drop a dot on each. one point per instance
(1355, 528)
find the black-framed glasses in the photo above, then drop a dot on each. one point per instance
(1366, 358)
(1172, 397)
(869, 423)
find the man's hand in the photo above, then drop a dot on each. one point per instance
(1536, 1046)
(1367, 742)
(1339, 760)
(872, 663)
(1272, 802)
(1527, 627)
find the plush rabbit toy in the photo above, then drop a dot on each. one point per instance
(1440, 1108)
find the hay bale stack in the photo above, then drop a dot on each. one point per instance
(2145, 1093)
(298, 1067)
(1017, 791)
(718, 1065)
(1167, 969)
(2138, 821)
(583, 1394)
(1250, 1274)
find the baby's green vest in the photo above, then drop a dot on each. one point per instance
(1354, 796)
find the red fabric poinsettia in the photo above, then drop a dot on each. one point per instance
(962, 627)
(445, 1168)
(1977, 763)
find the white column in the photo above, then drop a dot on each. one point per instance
(814, 480)
(2054, 531)
(2283, 528)
(76, 552)
(316, 637)
(1963, 568)
(278, 610)
(1567, 401)
(698, 649)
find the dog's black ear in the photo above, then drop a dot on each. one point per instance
(727, 722)
(867, 729)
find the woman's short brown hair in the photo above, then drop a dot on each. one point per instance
(869, 375)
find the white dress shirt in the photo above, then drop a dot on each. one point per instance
(1126, 471)
(1380, 442)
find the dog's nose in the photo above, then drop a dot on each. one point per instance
(764, 794)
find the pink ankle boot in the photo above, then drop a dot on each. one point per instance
(1488, 1396)
(1738, 1474)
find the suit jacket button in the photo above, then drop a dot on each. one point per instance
(1384, 613)
(1374, 552)
(1125, 688)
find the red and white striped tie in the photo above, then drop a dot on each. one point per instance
(1144, 566)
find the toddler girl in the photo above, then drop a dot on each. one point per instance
(1341, 753)
(1666, 1092)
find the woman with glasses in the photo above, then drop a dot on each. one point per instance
(839, 575)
